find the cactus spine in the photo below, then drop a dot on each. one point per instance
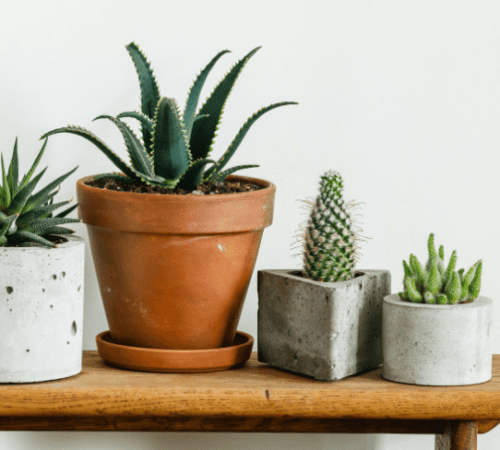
(435, 284)
(330, 237)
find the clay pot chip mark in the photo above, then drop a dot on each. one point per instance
(73, 328)
(9, 289)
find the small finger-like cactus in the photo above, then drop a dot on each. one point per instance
(330, 240)
(437, 284)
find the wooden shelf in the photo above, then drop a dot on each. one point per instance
(255, 397)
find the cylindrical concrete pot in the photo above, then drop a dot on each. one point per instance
(436, 345)
(41, 312)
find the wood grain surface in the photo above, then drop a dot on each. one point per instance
(255, 397)
(458, 436)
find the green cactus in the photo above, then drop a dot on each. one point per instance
(175, 147)
(434, 284)
(329, 238)
(26, 219)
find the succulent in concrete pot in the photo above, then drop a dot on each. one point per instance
(147, 247)
(437, 284)
(26, 219)
(41, 279)
(324, 321)
(437, 331)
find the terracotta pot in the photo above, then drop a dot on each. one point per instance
(173, 270)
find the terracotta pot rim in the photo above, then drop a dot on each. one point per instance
(174, 198)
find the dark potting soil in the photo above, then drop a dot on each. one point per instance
(206, 188)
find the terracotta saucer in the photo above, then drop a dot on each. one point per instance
(175, 361)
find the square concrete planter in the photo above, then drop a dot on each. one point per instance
(324, 330)
(437, 345)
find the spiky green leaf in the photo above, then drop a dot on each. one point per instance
(139, 157)
(6, 224)
(40, 226)
(171, 154)
(5, 185)
(13, 175)
(194, 174)
(145, 120)
(150, 92)
(26, 236)
(45, 194)
(79, 131)
(223, 160)
(67, 211)
(18, 203)
(58, 230)
(115, 176)
(26, 179)
(36, 213)
(222, 175)
(194, 93)
(203, 131)
(475, 286)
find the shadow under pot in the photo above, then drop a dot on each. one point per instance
(437, 345)
(41, 312)
(173, 270)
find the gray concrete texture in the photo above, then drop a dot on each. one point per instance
(437, 345)
(323, 330)
(41, 312)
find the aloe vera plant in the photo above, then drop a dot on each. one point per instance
(26, 219)
(175, 148)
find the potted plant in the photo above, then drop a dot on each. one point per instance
(324, 321)
(437, 331)
(41, 280)
(174, 262)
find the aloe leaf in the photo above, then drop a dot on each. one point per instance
(150, 92)
(223, 160)
(67, 211)
(222, 175)
(203, 131)
(171, 154)
(20, 200)
(194, 93)
(5, 184)
(58, 230)
(13, 174)
(145, 120)
(36, 213)
(139, 157)
(115, 176)
(79, 131)
(194, 174)
(41, 196)
(30, 173)
(22, 237)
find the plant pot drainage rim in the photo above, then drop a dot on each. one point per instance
(175, 360)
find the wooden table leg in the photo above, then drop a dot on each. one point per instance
(459, 435)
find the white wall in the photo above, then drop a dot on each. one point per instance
(402, 98)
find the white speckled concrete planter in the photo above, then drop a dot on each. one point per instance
(41, 312)
(437, 345)
(324, 330)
